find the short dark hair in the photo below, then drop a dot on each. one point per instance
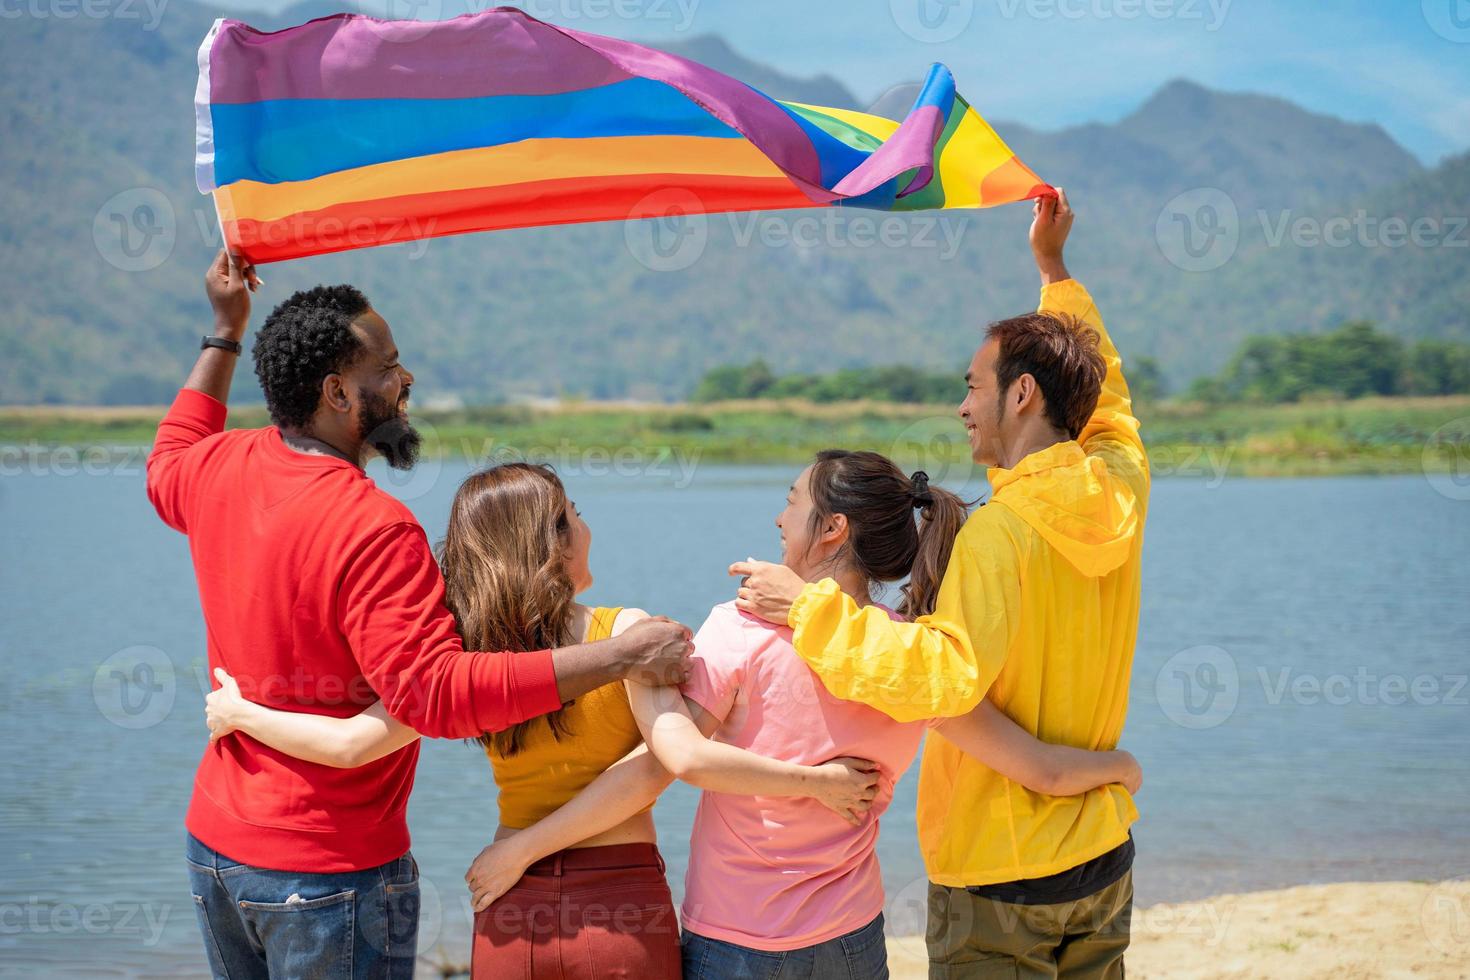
(306, 338)
(1058, 350)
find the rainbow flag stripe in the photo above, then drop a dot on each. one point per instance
(350, 131)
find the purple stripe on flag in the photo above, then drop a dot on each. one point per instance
(350, 56)
(910, 147)
(746, 110)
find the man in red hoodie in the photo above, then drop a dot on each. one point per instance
(320, 593)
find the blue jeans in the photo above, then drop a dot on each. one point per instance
(859, 955)
(256, 922)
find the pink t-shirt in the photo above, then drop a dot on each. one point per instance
(779, 873)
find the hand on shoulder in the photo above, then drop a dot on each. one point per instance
(627, 617)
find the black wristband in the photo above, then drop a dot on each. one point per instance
(233, 346)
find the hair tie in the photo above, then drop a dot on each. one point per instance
(920, 493)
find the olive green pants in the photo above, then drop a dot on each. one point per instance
(972, 937)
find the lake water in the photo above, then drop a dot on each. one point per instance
(1299, 700)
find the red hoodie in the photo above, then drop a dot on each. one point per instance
(320, 594)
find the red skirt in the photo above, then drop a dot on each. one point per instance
(588, 913)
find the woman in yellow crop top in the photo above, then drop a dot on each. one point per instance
(515, 556)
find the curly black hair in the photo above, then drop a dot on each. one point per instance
(306, 338)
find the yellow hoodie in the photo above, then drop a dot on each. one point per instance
(1038, 612)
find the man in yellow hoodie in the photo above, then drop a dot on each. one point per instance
(1038, 612)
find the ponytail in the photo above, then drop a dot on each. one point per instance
(941, 516)
(884, 543)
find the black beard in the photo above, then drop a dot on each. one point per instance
(392, 435)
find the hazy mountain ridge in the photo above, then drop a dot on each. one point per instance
(571, 310)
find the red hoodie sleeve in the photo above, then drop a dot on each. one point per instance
(192, 417)
(391, 609)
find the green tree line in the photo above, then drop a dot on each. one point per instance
(1354, 360)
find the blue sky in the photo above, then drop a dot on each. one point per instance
(1404, 64)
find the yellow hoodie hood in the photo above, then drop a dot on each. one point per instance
(1068, 497)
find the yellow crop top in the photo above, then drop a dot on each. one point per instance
(548, 772)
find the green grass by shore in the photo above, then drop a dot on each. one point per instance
(1371, 435)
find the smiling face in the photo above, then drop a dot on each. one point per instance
(377, 372)
(379, 389)
(981, 409)
(579, 549)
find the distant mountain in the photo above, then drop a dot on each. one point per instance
(712, 50)
(103, 242)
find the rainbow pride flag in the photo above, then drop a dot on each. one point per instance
(349, 131)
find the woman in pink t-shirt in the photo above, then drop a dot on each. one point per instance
(776, 886)
(780, 886)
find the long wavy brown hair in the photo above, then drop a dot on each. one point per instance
(505, 572)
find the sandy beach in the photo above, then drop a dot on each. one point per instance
(1343, 931)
